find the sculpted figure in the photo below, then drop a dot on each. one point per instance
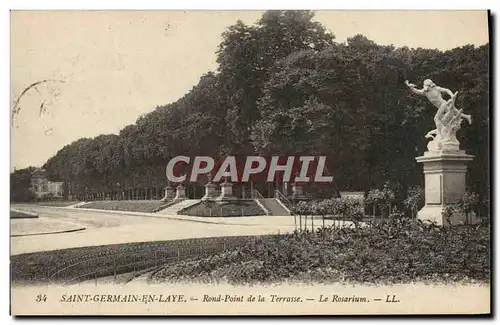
(447, 119)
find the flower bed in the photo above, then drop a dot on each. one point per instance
(60, 266)
(390, 251)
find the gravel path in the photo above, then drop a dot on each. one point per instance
(116, 227)
(41, 226)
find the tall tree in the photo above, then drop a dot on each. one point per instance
(247, 57)
(284, 86)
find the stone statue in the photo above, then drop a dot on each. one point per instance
(448, 118)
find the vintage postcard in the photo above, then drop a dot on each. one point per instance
(281, 162)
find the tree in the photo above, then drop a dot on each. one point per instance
(284, 86)
(20, 185)
(247, 57)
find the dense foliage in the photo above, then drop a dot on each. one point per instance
(395, 250)
(284, 85)
(20, 185)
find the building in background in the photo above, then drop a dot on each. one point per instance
(42, 187)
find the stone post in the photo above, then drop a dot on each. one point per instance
(211, 191)
(226, 192)
(170, 193)
(444, 173)
(180, 192)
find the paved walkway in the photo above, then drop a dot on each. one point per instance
(118, 227)
(41, 226)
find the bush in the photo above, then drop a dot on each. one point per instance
(382, 199)
(468, 203)
(396, 214)
(414, 200)
(302, 208)
(22, 195)
(345, 208)
(47, 197)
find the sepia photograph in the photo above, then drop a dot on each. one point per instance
(272, 162)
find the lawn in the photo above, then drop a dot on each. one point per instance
(238, 208)
(57, 203)
(134, 206)
(21, 215)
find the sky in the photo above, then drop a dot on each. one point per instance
(109, 67)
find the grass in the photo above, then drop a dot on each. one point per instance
(238, 208)
(58, 203)
(134, 206)
(101, 261)
(50, 203)
(21, 215)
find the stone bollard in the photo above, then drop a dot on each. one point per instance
(211, 192)
(226, 192)
(180, 192)
(170, 193)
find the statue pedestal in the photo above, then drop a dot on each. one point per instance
(226, 192)
(169, 194)
(444, 173)
(298, 192)
(211, 192)
(180, 192)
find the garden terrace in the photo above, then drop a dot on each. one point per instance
(236, 208)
